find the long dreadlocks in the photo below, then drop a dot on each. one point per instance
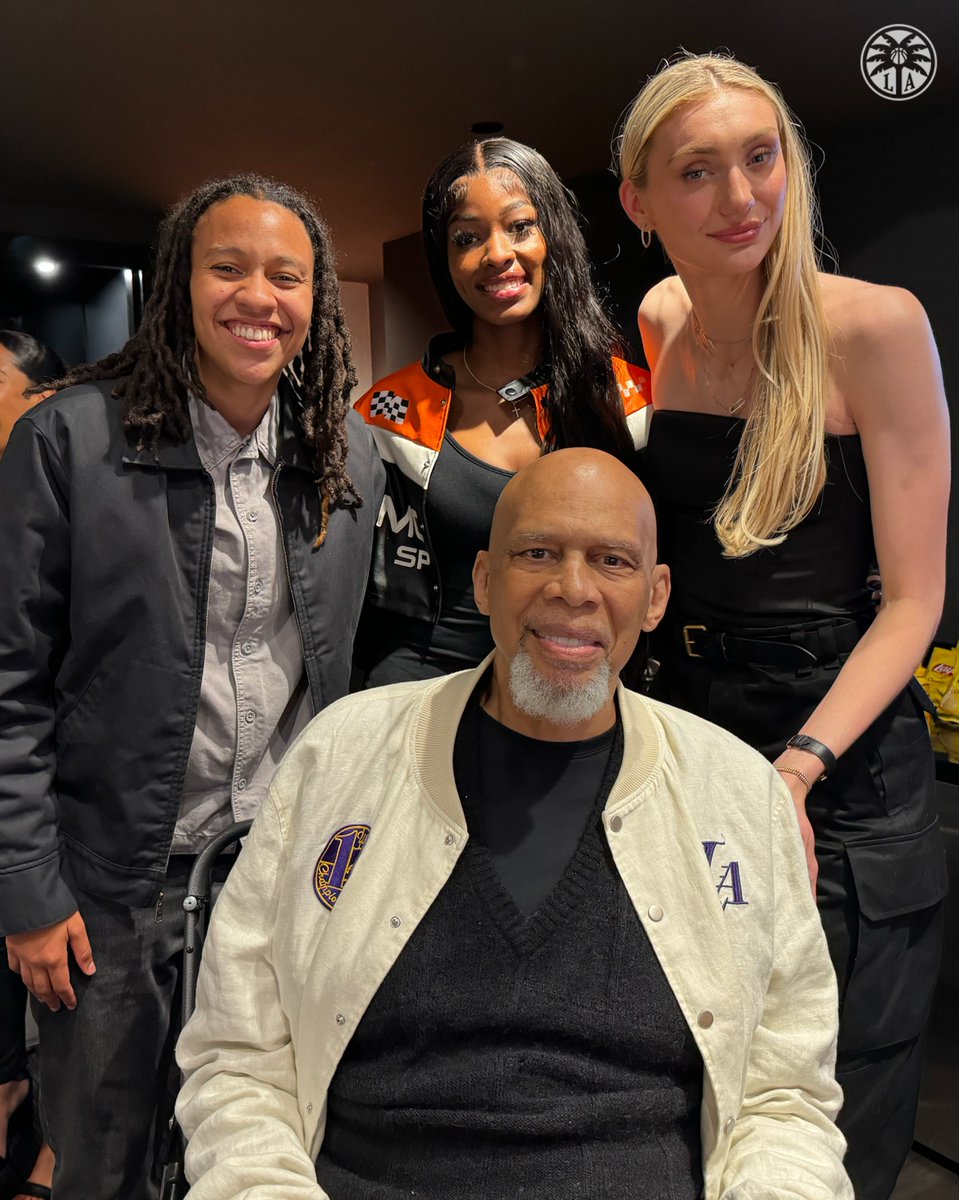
(159, 362)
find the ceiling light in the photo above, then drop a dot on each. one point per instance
(46, 267)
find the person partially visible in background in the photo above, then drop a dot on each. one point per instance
(25, 365)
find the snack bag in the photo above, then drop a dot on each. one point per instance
(949, 741)
(947, 712)
(938, 674)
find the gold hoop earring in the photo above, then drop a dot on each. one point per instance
(646, 237)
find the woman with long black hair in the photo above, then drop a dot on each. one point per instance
(530, 366)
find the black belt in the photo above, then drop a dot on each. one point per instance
(799, 646)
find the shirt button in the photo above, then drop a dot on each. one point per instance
(655, 912)
(705, 1019)
(340, 1019)
(241, 785)
(396, 922)
(249, 716)
(258, 586)
(253, 515)
(729, 1126)
(247, 647)
(615, 824)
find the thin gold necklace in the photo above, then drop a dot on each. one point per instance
(708, 343)
(514, 404)
(704, 345)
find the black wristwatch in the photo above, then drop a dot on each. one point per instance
(802, 741)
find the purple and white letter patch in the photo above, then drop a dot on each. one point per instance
(335, 864)
(728, 876)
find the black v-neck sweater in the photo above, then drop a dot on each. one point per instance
(512, 1054)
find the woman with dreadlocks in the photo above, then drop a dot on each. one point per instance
(182, 587)
(529, 367)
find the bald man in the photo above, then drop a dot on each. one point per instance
(520, 932)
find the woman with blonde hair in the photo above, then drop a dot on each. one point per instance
(801, 435)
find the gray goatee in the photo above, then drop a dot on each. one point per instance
(568, 700)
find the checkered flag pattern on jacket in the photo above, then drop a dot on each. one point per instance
(389, 405)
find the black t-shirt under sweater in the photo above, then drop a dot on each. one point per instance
(526, 801)
(526, 1042)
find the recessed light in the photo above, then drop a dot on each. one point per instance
(46, 267)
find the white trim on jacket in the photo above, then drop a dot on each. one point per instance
(285, 979)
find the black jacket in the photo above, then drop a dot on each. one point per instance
(104, 571)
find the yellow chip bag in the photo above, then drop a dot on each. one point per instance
(947, 710)
(938, 674)
(948, 742)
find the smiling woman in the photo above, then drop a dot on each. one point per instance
(531, 366)
(251, 290)
(801, 435)
(182, 584)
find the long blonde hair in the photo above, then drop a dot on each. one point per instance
(780, 465)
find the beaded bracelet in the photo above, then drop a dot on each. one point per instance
(799, 775)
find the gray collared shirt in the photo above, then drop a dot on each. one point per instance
(253, 696)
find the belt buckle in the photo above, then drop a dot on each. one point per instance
(688, 631)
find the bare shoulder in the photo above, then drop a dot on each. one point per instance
(882, 351)
(868, 316)
(663, 308)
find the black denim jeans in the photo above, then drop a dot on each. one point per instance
(107, 1072)
(13, 1006)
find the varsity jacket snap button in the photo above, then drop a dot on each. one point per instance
(395, 922)
(340, 1019)
(449, 839)
(705, 1019)
(730, 1125)
(655, 912)
(309, 1108)
(615, 824)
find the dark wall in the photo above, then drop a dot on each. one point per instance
(405, 312)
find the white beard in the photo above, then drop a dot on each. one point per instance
(564, 702)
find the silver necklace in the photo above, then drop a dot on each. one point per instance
(514, 404)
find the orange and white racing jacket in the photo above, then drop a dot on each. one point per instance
(407, 414)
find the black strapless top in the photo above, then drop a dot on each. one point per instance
(819, 571)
